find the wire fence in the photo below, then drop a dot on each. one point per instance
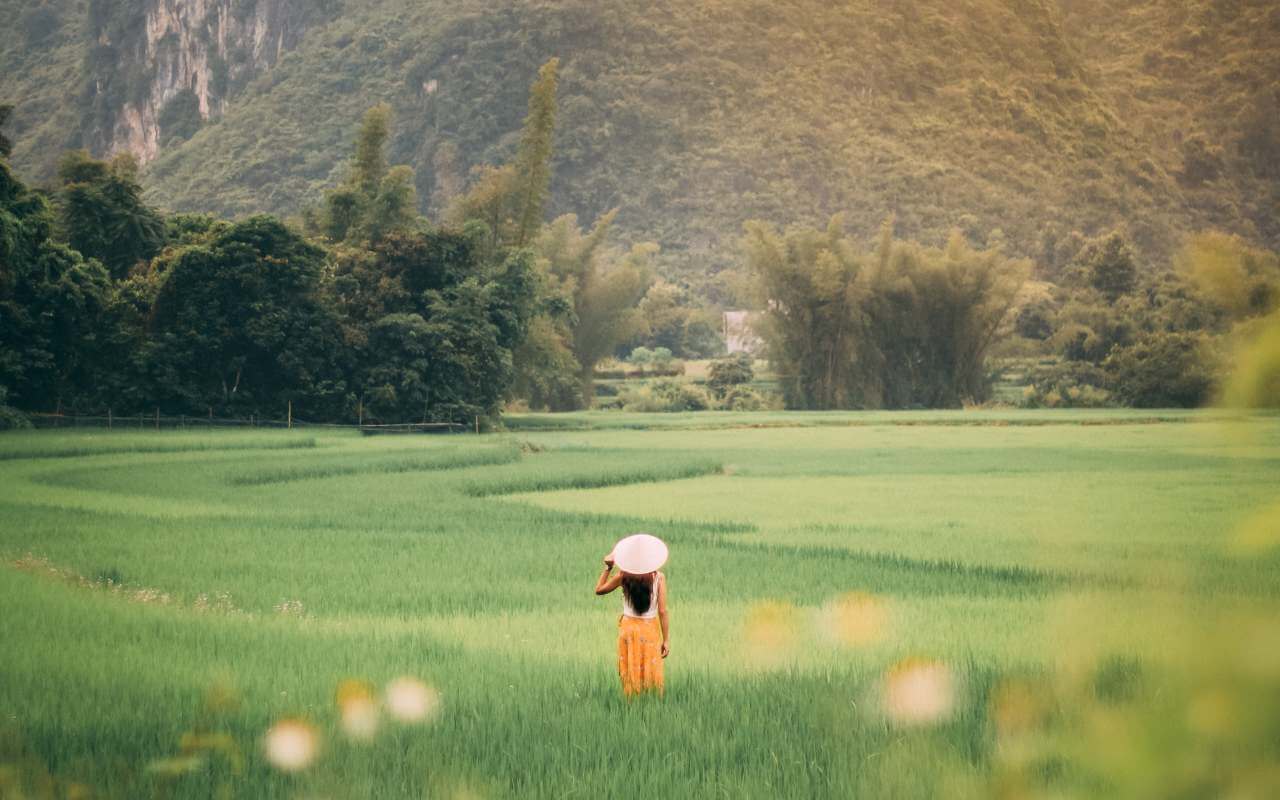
(158, 421)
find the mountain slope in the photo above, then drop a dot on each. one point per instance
(1031, 117)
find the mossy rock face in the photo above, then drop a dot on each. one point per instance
(180, 119)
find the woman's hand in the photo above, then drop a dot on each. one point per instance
(608, 561)
(666, 649)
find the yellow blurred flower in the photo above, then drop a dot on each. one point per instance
(770, 633)
(358, 709)
(411, 700)
(291, 745)
(1258, 533)
(918, 692)
(856, 619)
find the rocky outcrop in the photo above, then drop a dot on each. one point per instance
(193, 49)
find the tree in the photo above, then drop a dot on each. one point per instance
(1242, 281)
(1169, 370)
(533, 159)
(511, 199)
(810, 283)
(433, 325)
(51, 303)
(602, 289)
(101, 213)
(374, 200)
(901, 326)
(240, 324)
(369, 166)
(1107, 264)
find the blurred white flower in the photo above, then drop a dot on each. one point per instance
(291, 745)
(411, 700)
(918, 692)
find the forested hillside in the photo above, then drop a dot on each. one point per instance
(1031, 119)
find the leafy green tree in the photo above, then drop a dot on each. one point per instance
(51, 303)
(239, 324)
(675, 319)
(811, 282)
(434, 326)
(1241, 280)
(101, 213)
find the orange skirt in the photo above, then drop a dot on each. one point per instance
(639, 655)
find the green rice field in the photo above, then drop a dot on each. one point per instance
(932, 604)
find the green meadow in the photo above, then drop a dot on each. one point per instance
(168, 597)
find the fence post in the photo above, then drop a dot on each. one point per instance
(477, 425)
(290, 415)
(157, 417)
(108, 419)
(360, 411)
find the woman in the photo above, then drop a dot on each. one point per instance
(644, 631)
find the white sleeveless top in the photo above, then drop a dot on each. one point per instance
(628, 611)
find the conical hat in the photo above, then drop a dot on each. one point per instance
(640, 553)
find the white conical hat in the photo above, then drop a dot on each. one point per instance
(640, 553)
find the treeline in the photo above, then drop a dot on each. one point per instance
(363, 310)
(899, 325)
(1143, 335)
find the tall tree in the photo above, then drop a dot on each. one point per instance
(101, 212)
(901, 326)
(373, 200)
(511, 199)
(51, 302)
(369, 166)
(603, 289)
(533, 159)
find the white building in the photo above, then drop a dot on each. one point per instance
(739, 336)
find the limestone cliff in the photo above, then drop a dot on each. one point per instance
(185, 59)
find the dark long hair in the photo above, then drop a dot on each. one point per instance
(639, 591)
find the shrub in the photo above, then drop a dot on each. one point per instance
(730, 372)
(1070, 384)
(641, 356)
(665, 396)
(743, 398)
(1171, 370)
(11, 418)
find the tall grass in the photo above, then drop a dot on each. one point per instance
(256, 580)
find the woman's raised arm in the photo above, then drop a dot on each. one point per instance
(607, 583)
